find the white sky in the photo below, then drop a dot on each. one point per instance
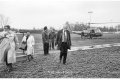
(39, 13)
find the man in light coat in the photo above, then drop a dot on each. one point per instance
(8, 47)
(29, 39)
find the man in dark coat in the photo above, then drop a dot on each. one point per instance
(63, 41)
(45, 38)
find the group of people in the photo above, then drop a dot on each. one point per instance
(48, 39)
(9, 44)
(63, 42)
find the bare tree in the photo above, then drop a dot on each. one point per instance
(3, 20)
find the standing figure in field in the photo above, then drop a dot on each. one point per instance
(8, 47)
(30, 42)
(52, 37)
(45, 39)
(63, 41)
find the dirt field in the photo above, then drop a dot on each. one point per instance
(95, 63)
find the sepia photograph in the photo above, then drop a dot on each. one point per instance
(59, 38)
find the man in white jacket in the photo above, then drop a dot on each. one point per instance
(29, 39)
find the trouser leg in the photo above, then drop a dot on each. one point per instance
(44, 49)
(47, 47)
(50, 45)
(28, 57)
(64, 49)
(6, 59)
(64, 58)
(61, 54)
(53, 44)
(9, 65)
(31, 56)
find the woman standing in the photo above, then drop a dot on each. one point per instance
(8, 47)
(29, 39)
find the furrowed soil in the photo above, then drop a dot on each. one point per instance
(95, 63)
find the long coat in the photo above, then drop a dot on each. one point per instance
(59, 39)
(52, 36)
(8, 44)
(30, 44)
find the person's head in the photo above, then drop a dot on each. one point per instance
(28, 33)
(45, 28)
(6, 27)
(64, 27)
(51, 29)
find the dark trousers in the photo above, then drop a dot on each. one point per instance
(63, 52)
(46, 48)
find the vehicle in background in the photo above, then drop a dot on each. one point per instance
(91, 32)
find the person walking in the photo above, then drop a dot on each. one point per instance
(63, 41)
(30, 42)
(8, 47)
(45, 39)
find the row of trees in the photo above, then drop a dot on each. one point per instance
(82, 26)
(77, 26)
(25, 30)
(31, 30)
(71, 26)
(106, 29)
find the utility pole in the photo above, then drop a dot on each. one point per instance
(90, 12)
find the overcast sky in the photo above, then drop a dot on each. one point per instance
(39, 13)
